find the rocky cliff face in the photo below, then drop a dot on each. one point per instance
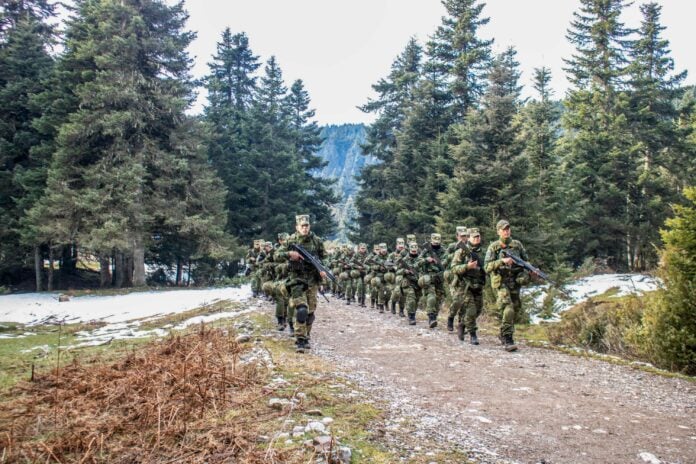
(341, 149)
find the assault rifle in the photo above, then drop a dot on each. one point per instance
(314, 261)
(533, 269)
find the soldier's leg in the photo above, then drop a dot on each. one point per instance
(298, 301)
(507, 326)
(312, 303)
(410, 299)
(521, 317)
(456, 305)
(281, 309)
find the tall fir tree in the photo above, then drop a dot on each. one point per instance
(489, 168)
(25, 65)
(660, 147)
(105, 182)
(305, 135)
(380, 200)
(231, 87)
(598, 153)
(459, 57)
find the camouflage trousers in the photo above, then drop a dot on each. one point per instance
(359, 287)
(467, 303)
(282, 301)
(509, 308)
(379, 290)
(411, 296)
(347, 284)
(255, 282)
(433, 296)
(397, 294)
(302, 293)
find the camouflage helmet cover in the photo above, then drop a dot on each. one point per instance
(502, 224)
(302, 219)
(461, 230)
(474, 232)
(435, 238)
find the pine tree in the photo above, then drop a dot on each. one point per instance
(489, 169)
(24, 67)
(382, 194)
(305, 135)
(539, 122)
(653, 119)
(458, 58)
(105, 183)
(231, 87)
(597, 143)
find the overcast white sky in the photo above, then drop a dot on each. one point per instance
(340, 48)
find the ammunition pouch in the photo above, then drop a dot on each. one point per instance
(389, 277)
(424, 281)
(354, 274)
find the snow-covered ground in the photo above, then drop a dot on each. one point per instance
(125, 313)
(122, 313)
(583, 289)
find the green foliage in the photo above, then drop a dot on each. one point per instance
(668, 332)
(602, 324)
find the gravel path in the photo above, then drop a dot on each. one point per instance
(535, 405)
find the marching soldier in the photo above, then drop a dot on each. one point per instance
(430, 278)
(408, 270)
(468, 281)
(397, 295)
(303, 280)
(251, 256)
(451, 249)
(359, 265)
(506, 280)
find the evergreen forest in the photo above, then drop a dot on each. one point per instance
(104, 176)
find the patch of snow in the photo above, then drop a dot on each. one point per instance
(583, 289)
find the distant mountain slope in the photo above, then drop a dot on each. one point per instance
(341, 148)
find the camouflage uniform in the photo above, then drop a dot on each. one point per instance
(430, 277)
(303, 282)
(446, 261)
(506, 281)
(250, 259)
(467, 286)
(283, 313)
(346, 277)
(360, 267)
(397, 296)
(378, 284)
(408, 270)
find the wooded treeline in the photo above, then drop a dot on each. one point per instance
(592, 175)
(100, 162)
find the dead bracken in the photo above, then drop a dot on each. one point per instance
(169, 402)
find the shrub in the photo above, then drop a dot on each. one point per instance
(667, 336)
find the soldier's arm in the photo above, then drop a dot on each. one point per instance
(491, 264)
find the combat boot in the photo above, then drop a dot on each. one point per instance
(348, 301)
(291, 332)
(450, 324)
(373, 302)
(401, 310)
(474, 338)
(281, 323)
(393, 307)
(362, 301)
(381, 308)
(412, 319)
(510, 343)
(460, 331)
(300, 345)
(432, 320)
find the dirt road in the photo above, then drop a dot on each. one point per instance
(535, 405)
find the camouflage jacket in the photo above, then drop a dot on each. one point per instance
(408, 268)
(434, 268)
(474, 278)
(301, 269)
(501, 272)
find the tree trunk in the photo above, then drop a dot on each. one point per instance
(38, 266)
(119, 270)
(188, 277)
(139, 262)
(104, 271)
(50, 268)
(179, 271)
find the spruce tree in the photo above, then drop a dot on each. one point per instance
(597, 142)
(659, 144)
(24, 67)
(305, 135)
(489, 169)
(459, 57)
(105, 182)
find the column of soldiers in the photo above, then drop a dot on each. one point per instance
(427, 277)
